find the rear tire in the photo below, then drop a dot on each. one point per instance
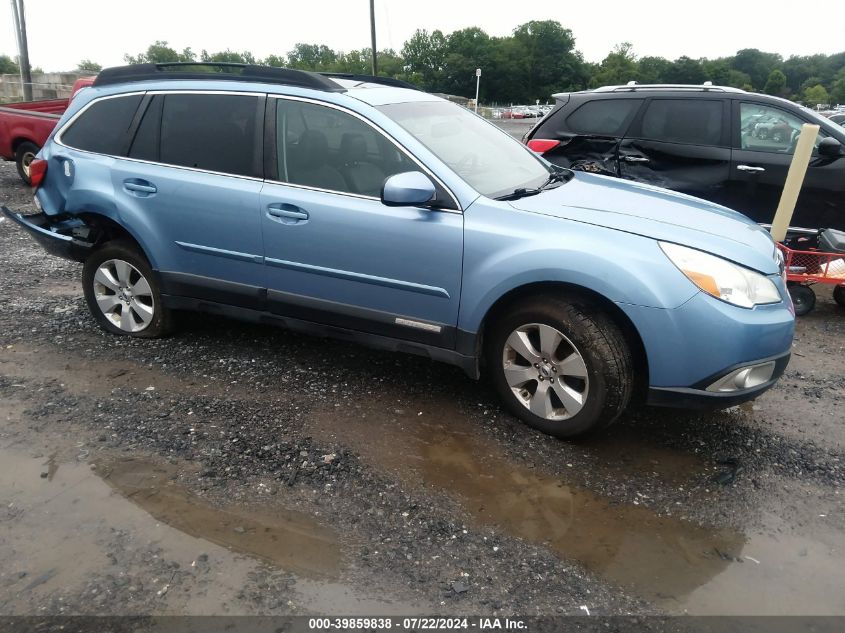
(803, 298)
(24, 155)
(123, 293)
(560, 365)
(839, 294)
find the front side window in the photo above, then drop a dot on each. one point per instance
(488, 159)
(690, 121)
(769, 129)
(325, 148)
(104, 126)
(213, 132)
(603, 117)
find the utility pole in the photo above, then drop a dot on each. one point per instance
(373, 34)
(23, 49)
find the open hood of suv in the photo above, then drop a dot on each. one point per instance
(659, 214)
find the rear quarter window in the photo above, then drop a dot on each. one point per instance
(104, 126)
(689, 121)
(603, 117)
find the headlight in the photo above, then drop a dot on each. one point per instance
(722, 279)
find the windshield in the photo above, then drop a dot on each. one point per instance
(490, 160)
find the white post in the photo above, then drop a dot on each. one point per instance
(477, 82)
(794, 180)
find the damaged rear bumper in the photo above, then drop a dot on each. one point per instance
(62, 239)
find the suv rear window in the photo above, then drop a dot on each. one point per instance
(103, 128)
(605, 117)
(215, 132)
(693, 121)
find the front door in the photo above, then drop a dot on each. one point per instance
(334, 254)
(764, 142)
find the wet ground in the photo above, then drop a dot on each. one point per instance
(234, 469)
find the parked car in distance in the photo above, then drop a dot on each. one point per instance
(838, 118)
(722, 144)
(25, 126)
(361, 208)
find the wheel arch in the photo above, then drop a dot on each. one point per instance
(107, 229)
(590, 298)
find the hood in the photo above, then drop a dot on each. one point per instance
(659, 214)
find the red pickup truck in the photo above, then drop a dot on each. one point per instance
(25, 126)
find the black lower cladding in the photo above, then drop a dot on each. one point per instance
(697, 397)
(318, 317)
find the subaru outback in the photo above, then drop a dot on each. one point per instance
(362, 208)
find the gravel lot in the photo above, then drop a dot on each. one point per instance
(237, 469)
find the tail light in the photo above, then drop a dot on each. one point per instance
(37, 171)
(542, 145)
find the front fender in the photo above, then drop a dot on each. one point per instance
(507, 249)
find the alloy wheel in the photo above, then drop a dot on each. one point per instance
(123, 295)
(545, 371)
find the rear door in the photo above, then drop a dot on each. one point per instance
(334, 253)
(764, 142)
(589, 135)
(681, 144)
(190, 184)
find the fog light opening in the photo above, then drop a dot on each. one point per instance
(744, 378)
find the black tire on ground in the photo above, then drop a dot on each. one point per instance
(595, 336)
(24, 154)
(803, 298)
(161, 321)
(839, 294)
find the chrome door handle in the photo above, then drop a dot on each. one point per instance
(750, 168)
(635, 159)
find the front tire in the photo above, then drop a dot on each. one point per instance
(24, 155)
(122, 292)
(561, 365)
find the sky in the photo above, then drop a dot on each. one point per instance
(63, 33)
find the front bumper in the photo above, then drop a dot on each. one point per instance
(57, 238)
(699, 397)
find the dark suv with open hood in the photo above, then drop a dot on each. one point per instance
(722, 144)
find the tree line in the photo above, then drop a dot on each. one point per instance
(538, 59)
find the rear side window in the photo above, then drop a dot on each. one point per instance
(213, 132)
(603, 117)
(692, 121)
(103, 127)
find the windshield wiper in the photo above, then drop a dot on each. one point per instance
(561, 176)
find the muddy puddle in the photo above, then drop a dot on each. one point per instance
(69, 524)
(678, 565)
(292, 541)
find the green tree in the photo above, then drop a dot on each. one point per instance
(652, 70)
(685, 70)
(756, 64)
(227, 56)
(619, 67)
(8, 65)
(551, 63)
(775, 84)
(87, 66)
(159, 53)
(425, 56)
(815, 95)
(312, 57)
(837, 91)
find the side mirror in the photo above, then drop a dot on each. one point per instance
(408, 189)
(829, 146)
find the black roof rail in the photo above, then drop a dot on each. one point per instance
(216, 71)
(372, 79)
